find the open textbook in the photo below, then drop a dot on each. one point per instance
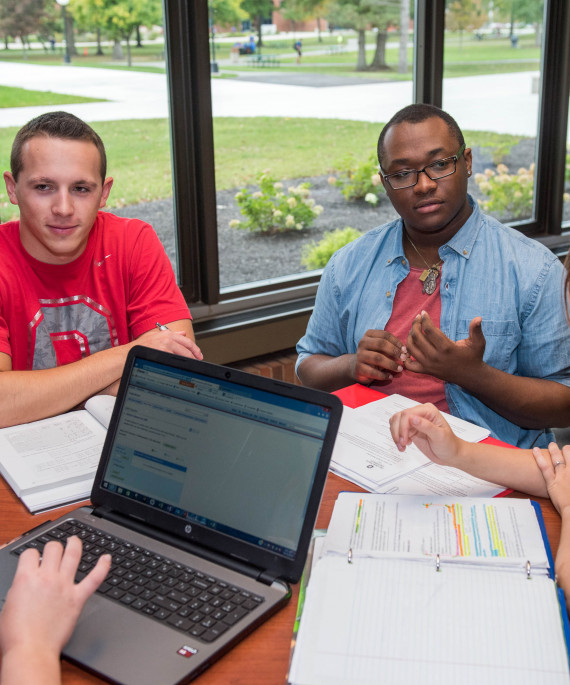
(52, 462)
(365, 454)
(432, 590)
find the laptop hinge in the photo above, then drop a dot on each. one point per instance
(228, 561)
(267, 578)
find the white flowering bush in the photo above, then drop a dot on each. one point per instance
(359, 181)
(509, 194)
(271, 210)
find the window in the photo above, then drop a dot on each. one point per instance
(197, 235)
(498, 105)
(195, 136)
(273, 271)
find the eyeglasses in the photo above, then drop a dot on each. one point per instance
(434, 171)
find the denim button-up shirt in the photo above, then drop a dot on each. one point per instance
(490, 270)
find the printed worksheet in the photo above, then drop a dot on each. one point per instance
(469, 528)
(365, 454)
(381, 411)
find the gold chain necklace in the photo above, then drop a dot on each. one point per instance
(429, 275)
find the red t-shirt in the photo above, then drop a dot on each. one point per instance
(409, 301)
(53, 314)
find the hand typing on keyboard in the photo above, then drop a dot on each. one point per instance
(188, 600)
(41, 610)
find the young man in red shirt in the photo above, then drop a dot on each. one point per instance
(78, 287)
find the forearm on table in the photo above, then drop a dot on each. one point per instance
(527, 402)
(31, 395)
(325, 372)
(512, 468)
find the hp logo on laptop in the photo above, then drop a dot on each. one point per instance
(188, 529)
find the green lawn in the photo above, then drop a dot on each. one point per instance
(20, 97)
(138, 151)
(464, 56)
(469, 57)
(138, 154)
(139, 158)
(140, 57)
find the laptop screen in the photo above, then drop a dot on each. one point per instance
(233, 458)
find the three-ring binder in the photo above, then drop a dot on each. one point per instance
(349, 558)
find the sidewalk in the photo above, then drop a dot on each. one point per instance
(501, 102)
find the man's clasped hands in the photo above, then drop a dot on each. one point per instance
(381, 354)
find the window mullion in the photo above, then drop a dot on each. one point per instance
(428, 51)
(186, 27)
(553, 118)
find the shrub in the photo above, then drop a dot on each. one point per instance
(270, 210)
(317, 255)
(359, 181)
(498, 144)
(509, 194)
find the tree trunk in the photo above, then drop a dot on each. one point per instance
(361, 63)
(259, 38)
(404, 36)
(379, 61)
(129, 58)
(6, 43)
(139, 42)
(99, 48)
(512, 31)
(70, 36)
(319, 29)
(117, 50)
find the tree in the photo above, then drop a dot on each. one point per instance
(301, 10)
(464, 15)
(294, 11)
(404, 37)
(258, 10)
(118, 18)
(50, 23)
(90, 16)
(389, 15)
(361, 15)
(524, 11)
(19, 18)
(319, 10)
(227, 12)
(70, 34)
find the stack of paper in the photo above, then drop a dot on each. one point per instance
(365, 454)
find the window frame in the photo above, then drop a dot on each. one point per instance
(189, 83)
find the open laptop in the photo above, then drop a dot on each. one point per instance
(209, 484)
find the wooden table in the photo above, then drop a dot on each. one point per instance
(263, 657)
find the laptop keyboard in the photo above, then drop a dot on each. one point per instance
(186, 599)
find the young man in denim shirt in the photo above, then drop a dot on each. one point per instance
(445, 304)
